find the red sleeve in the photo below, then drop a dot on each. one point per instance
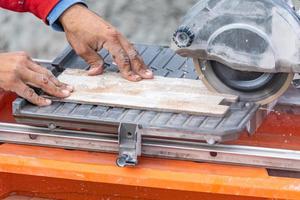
(40, 8)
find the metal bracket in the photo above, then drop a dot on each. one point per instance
(130, 144)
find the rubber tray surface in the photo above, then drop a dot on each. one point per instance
(164, 62)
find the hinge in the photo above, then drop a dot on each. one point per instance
(130, 144)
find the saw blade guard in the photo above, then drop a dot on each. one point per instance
(247, 35)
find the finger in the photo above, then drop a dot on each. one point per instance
(122, 60)
(42, 81)
(38, 68)
(94, 60)
(41, 70)
(96, 68)
(137, 63)
(29, 94)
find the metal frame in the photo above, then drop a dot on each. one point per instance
(130, 139)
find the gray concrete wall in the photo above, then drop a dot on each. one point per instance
(142, 21)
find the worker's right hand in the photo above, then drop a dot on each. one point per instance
(18, 72)
(88, 33)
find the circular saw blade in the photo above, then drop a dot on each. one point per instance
(262, 88)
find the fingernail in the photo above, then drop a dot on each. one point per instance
(95, 71)
(70, 88)
(137, 77)
(149, 72)
(48, 102)
(66, 92)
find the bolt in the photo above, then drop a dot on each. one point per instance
(129, 134)
(211, 141)
(52, 126)
(213, 154)
(33, 137)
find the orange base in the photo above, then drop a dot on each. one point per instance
(72, 175)
(73, 190)
(63, 174)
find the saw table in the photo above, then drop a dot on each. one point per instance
(233, 139)
(132, 132)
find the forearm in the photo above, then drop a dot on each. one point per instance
(58, 10)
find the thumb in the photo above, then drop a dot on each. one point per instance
(94, 60)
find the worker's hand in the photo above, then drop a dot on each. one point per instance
(18, 71)
(88, 33)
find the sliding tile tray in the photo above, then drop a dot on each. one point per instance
(104, 119)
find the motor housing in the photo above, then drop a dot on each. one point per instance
(246, 35)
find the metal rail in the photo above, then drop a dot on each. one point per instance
(153, 147)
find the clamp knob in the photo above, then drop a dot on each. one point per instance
(183, 37)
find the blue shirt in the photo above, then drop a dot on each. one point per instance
(58, 10)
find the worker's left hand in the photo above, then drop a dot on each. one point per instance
(88, 33)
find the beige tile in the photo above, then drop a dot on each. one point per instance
(159, 94)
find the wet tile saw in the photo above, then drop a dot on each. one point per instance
(247, 48)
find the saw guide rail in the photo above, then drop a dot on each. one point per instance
(151, 146)
(155, 134)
